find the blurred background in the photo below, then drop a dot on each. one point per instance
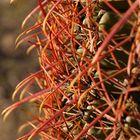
(15, 64)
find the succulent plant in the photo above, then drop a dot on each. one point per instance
(88, 82)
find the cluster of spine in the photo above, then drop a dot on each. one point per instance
(89, 70)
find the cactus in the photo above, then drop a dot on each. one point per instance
(88, 83)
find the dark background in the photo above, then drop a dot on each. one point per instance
(15, 64)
